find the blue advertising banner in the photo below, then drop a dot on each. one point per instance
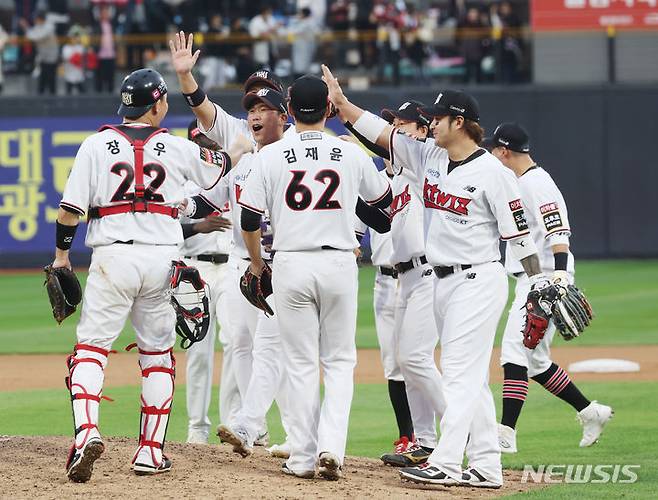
(36, 156)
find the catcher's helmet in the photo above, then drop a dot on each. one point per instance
(140, 90)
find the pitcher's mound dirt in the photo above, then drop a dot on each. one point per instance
(33, 467)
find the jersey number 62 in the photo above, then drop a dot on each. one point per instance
(299, 196)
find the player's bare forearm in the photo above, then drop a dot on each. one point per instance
(561, 248)
(241, 145)
(252, 242)
(347, 111)
(531, 264)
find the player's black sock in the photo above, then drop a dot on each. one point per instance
(397, 391)
(557, 381)
(515, 390)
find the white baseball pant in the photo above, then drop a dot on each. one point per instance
(416, 338)
(201, 355)
(385, 298)
(316, 300)
(468, 305)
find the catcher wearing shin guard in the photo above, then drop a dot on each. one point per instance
(538, 311)
(128, 179)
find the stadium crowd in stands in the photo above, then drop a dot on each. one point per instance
(83, 42)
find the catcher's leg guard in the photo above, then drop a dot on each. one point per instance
(85, 383)
(158, 373)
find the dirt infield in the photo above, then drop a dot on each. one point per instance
(24, 372)
(204, 472)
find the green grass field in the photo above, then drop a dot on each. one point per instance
(624, 295)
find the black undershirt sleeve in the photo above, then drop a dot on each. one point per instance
(385, 202)
(249, 220)
(373, 217)
(203, 208)
(378, 150)
(188, 230)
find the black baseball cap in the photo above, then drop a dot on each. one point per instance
(263, 77)
(308, 94)
(454, 103)
(140, 90)
(408, 111)
(271, 98)
(509, 135)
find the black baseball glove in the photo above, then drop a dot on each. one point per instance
(257, 288)
(64, 291)
(572, 312)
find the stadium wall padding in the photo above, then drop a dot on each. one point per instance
(596, 141)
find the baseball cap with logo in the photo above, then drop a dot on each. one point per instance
(509, 135)
(454, 103)
(140, 90)
(263, 77)
(308, 94)
(271, 98)
(408, 111)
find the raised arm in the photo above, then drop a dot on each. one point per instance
(370, 126)
(183, 61)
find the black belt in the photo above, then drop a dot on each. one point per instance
(328, 247)
(215, 258)
(132, 242)
(403, 267)
(388, 271)
(443, 271)
(267, 261)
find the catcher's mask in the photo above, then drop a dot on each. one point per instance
(189, 295)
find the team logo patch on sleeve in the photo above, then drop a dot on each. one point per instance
(213, 157)
(519, 215)
(551, 216)
(515, 205)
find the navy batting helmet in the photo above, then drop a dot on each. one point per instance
(140, 90)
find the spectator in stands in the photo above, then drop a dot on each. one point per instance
(263, 27)
(58, 14)
(415, 47)
(338, 21)
(389, 20)
(136, 24)
(47, 49)
(239, 51)
(215, 53)
(74, 59)
(106, 53)
(3, 40)
(471, 34)
(304, 29)
(512, 48)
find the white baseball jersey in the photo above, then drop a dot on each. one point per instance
(466, 210)
(210, 243)
(381, 245)
(406, 218)
(229, 190)
(103, 175)
(547, 217)
(226, 128)
(310, 183)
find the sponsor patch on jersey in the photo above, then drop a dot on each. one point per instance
(548, 207)
(520, 220)
(213, 157)
(515, 205)
(310, 136)
(552, 220)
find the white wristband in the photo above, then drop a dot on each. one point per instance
(370, 126)
(189, 209)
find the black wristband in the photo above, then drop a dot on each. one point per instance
(561, 259)
(64, 235)
(195, 98)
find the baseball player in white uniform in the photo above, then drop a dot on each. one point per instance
(410, 338)
(222, 128)
(549, 226)
(309, 182)
(129, 179)
(254, 332)
(206, 247)
(471, 200)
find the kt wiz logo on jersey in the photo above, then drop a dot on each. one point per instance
(400, 201)
(439, 200)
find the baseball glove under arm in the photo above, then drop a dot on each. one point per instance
(572, 312)
(257, 288)
(64, 291)
(538, 314)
